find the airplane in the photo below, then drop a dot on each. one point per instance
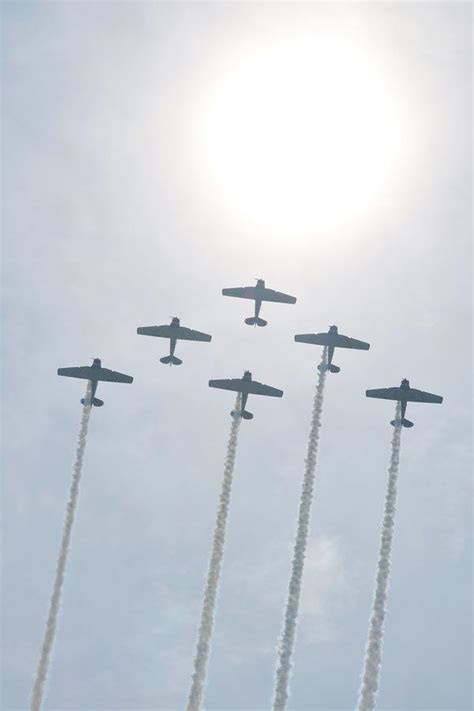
(175, 333)
(247, 387)
(332, 339)
(258, 293)
(404, 394)
(94, 373)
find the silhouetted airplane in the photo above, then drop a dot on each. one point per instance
(404, 394)
(175, 333)
(247, 387)
(332, 339)
(258, 293)
(94, 373)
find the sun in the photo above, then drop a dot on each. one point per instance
(300, 136)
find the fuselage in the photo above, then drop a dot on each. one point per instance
(404, 385)
(258, 299)
(174, 324)
(332, 331)
(247, 377)
(96, 364)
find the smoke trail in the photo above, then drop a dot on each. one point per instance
(287, 642)
(210, 592)
(373, 654)
(48, 640)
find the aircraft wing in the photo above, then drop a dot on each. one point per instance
(255, 388)
(235, 384)
(158, 331)
(252, 292)
(180, 332)
(415, 395)
(332, 339)
(241, 292)
(278, 296)
(409, 394)
(386, 393)
(248, 386)
(84, 372)
(188, 334)
(88, 373)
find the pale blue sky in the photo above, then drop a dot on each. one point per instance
(108, 224)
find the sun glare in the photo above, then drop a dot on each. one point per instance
(300, 136)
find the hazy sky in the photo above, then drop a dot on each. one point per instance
(111, 221)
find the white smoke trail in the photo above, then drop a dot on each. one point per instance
(373, 654)
(210, 592)
(287, 641)
(48, 640)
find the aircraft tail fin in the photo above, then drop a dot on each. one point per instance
(170, 360)
(95, 401)
(404, 422)
(242, 413)
(255, 321)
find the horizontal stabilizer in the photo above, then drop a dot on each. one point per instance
(245, 414)
(255, 321)
(95, 401)
(171, 360)
(331, 367)
(404, 423)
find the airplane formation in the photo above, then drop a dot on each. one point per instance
(246, 386)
